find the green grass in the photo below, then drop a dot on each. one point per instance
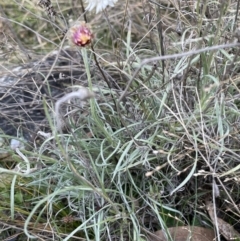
(149, 148)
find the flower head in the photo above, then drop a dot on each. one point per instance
(80, 34)
(99, 4)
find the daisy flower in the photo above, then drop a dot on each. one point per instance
(80, 34)
(99, 4)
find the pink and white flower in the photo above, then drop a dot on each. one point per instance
(80, 34)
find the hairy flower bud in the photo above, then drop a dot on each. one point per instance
(80, 34)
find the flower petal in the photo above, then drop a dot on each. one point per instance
(99, 4)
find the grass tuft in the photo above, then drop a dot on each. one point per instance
(156, 135)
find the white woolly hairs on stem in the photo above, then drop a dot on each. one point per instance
(82, 94)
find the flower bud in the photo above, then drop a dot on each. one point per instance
(80, 34)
